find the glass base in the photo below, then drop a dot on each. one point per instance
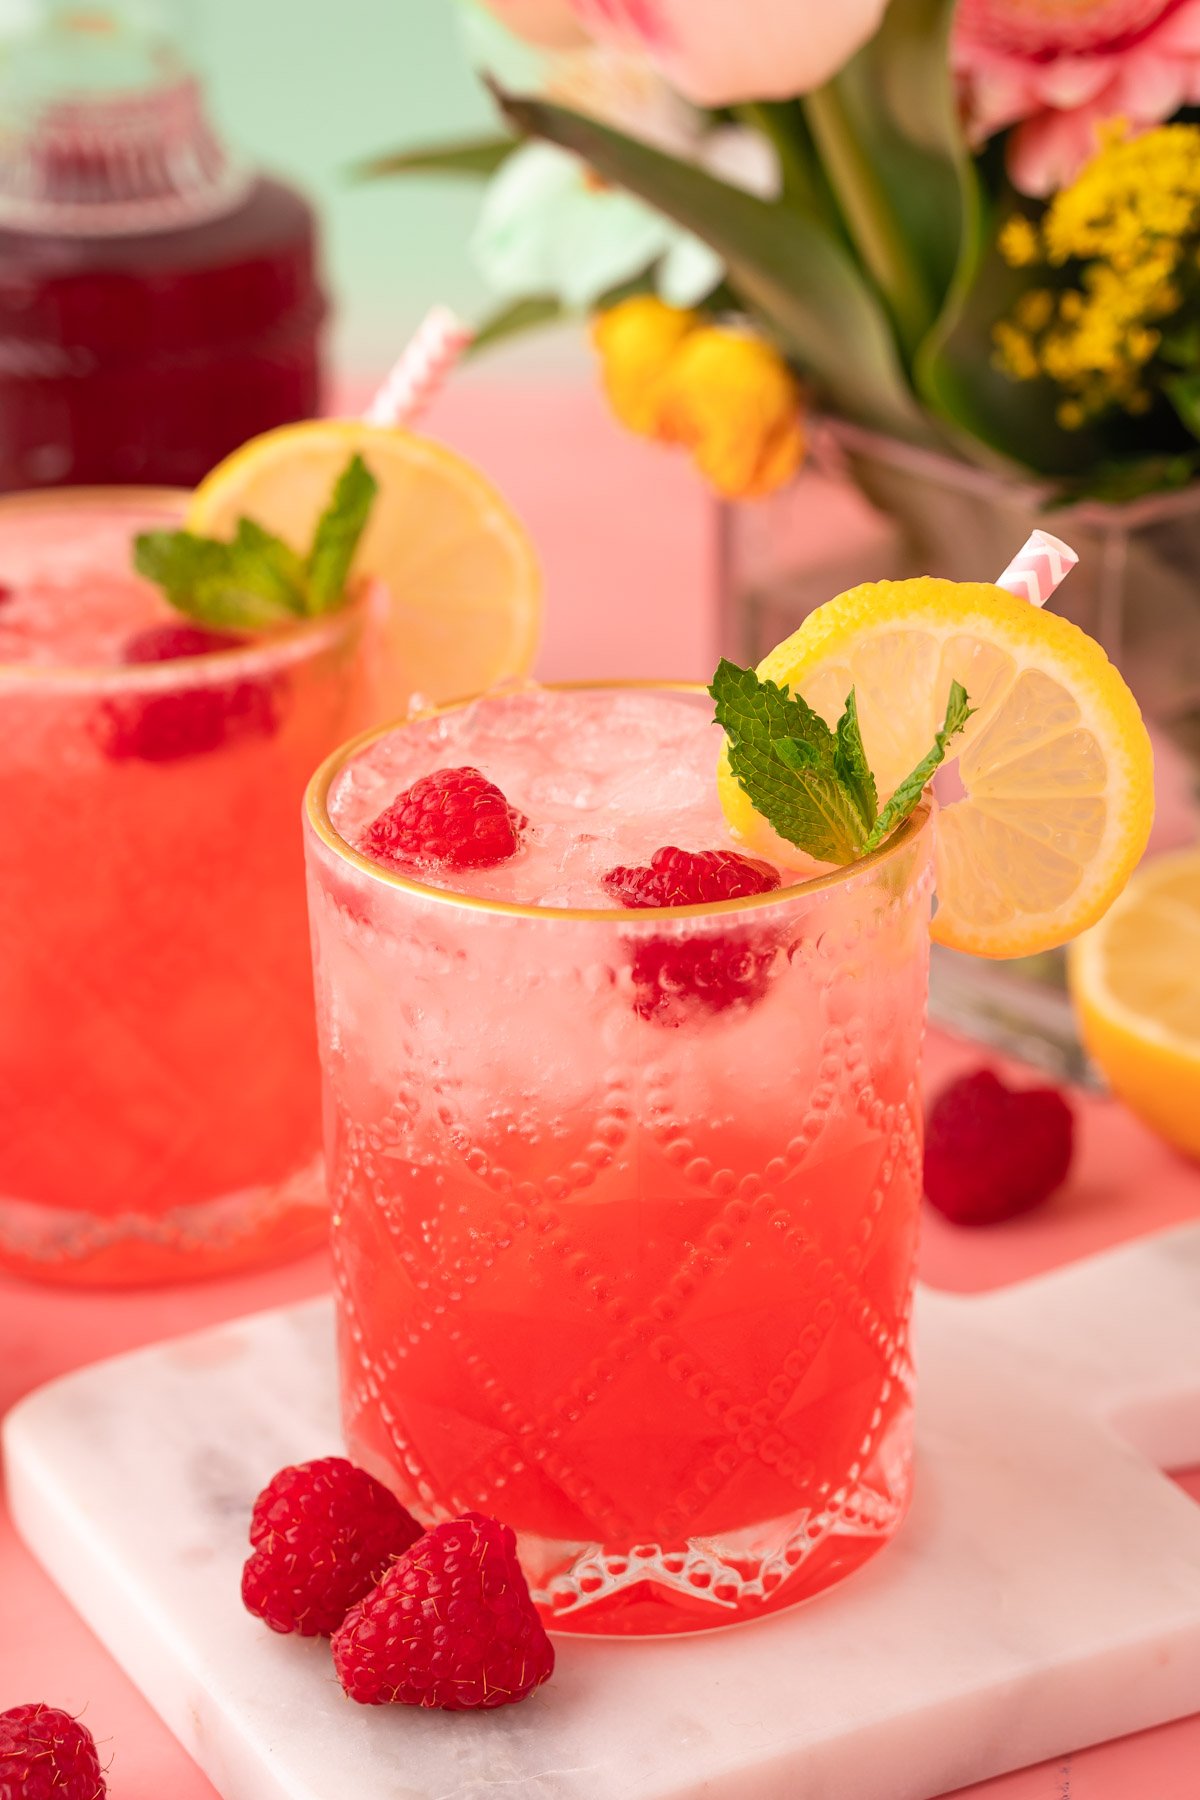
(652, 1591)
(189, 1243)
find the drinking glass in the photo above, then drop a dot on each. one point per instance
(642, 1292)
(158, 1059)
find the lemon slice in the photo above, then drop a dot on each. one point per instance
(1135, 981)
(460, 572)
(1054, 766)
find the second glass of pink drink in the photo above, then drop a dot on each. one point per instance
(157, 1052)
(625, 1195)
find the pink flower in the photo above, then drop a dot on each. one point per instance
(718, 52)
(548, 22)
(1057, 70)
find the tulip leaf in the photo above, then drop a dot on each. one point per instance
(516, 317)
(785, 265)
(892, 143)
(476, 157)
(898, 104)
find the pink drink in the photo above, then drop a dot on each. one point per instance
(157, 1054)
(635, 1279)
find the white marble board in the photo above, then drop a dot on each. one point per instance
(1044, 1593)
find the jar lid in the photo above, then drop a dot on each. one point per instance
(103, 127)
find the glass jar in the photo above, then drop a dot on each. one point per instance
(159, 302)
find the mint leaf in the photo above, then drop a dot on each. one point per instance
(783, 755)
(337, 534)
(906, 796)
(850, 762)
(747, 706)
(176, 561)
(246, 584)
(256, 581)
(262, 564)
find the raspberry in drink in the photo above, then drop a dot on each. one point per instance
(625, 1155)
(157, 1053)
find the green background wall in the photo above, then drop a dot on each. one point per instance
(308, 87)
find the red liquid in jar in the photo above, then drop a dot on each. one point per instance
(159, 302)
(146, 357)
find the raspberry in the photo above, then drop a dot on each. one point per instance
(186, 721)
(991, 1151)
(673, 977)
(45, 1754)
(690, 878)
(324, 1532)
(454, 818)
(451, 1625)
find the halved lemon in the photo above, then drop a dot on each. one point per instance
(1135, 982)
(1055, 765)
(460, 572)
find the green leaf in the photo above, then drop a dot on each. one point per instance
(784, 264)
(1180, 344)
(512, 320)
(256, 581)
(176, 560)
(246, 584)
(850, 762)
(908, 794)
(477, 157)
(1183, 391)
(890, 135)
(337, 534)
(804, 182)
(797, 754)
(783, 755)
(260, 561)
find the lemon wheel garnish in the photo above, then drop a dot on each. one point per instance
(1055, 764)
(1135, 982)
(460, 572)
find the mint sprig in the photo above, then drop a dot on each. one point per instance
(906, 796)
(785, 756)
(255, 581)
(814, 786)
(851, 765)
(336, 537)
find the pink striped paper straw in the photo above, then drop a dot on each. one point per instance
(421, 369)
(1038, 567)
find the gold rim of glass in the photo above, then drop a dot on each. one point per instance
(140, 675)
(316, 812)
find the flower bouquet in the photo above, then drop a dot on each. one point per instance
(959, 243)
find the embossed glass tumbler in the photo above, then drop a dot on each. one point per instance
(640, 1288)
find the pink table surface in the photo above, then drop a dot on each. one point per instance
(633, 601)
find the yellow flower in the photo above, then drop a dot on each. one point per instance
(1130, 222)
(1019, 242)
(636, 340)
(733, 402)
(1035, 309)
(725, 395)
(1015, 352)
